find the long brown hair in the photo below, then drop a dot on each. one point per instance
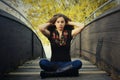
(55, 17)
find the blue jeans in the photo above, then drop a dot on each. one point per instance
(47, 65)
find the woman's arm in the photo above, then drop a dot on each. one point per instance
(44, 30)
(77, 30)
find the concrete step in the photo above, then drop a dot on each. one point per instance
(31, 71)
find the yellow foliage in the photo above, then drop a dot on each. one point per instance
(42, 10)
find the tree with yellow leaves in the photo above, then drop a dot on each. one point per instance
(40, 11)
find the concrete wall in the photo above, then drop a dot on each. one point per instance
(75, 47)
(100, 41)
(18, 43)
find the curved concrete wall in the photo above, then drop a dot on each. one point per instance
(100, 41)
(18, 43)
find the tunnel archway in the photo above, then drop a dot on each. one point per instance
(18, 43)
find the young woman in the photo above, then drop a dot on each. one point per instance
(60, 30)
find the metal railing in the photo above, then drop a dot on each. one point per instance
(13, 11)
(103, 8)
(16, 13)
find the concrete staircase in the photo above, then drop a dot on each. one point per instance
(31, 71)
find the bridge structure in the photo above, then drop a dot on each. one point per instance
(97, 46)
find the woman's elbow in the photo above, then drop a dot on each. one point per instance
(41, 29)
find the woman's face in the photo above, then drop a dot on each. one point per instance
(60, 23)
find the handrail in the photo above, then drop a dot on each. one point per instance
(93, 15)
(17, 12)
(28, 22)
